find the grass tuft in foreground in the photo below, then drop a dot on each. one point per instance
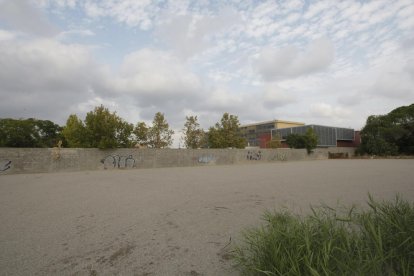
(347, 241)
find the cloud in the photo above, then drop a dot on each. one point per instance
(71, 33)
(191, 34)
(132, 13)
(23, 16)
(44, 78)
(274, 64)
(155, 77)
(274, 96)
(6, 35)
(329, 111)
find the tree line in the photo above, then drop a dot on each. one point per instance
(389, 134)
(104, 129)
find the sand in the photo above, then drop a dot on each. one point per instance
(172, 221)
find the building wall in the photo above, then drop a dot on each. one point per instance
(41, 160)
(284, 124)
(260, 133)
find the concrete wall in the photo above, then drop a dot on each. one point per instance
(35, 160)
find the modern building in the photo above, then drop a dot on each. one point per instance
(258, 134)
(327, 136)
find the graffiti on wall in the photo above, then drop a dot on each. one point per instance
(119, 162)
(5, 165)
(205, 159)
(278, 157)
(254, 155)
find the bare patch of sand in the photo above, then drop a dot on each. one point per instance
(172, 221)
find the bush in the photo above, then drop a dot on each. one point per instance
(376, 241)
(307, 141)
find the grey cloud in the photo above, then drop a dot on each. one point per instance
(274, 64)
(21, 15)
(45, 79)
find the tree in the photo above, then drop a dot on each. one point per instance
(193, 134)
(141, 133)
(28, 133)
(159, 134)
(101, 129)
(389, 134)
(311, 140)
(75, 133)
(307, 141)
(226, 133)
(123, 134)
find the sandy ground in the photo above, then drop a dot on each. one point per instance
(173, 221)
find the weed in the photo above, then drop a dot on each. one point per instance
(378, 240)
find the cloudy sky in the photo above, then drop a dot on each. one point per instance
(318, 62)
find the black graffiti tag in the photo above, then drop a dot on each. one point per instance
(120, 162)
(5, 165)
(252, 155)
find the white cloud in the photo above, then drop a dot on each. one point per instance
(274, 96)
(329, 111)
(5, 35)
(132, 13)
(192, 34)
(156, 76)
(290, 63)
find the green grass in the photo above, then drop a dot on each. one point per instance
(378, 240)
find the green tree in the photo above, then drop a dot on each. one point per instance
(159, 134)
(101, 129)
(49, 133)
(28, 133)
(311, 140)
(75, 133)
(389, 134)
(123, 134)
(141, 133)
(296, 141)
(105, 129)
(193, 134)
(226, 133)
(307, 141)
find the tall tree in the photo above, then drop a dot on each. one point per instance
(141, 133)
(159, 134)
(226, 133)
(75, 133)
(193, 134)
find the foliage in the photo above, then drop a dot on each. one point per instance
(193, 134)
(226, 133)
(307, 141)
(75, 133)
(29, 133)
(347, 241)
(159, 135)
(141, 133)
(101, 129)
(389, 134)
